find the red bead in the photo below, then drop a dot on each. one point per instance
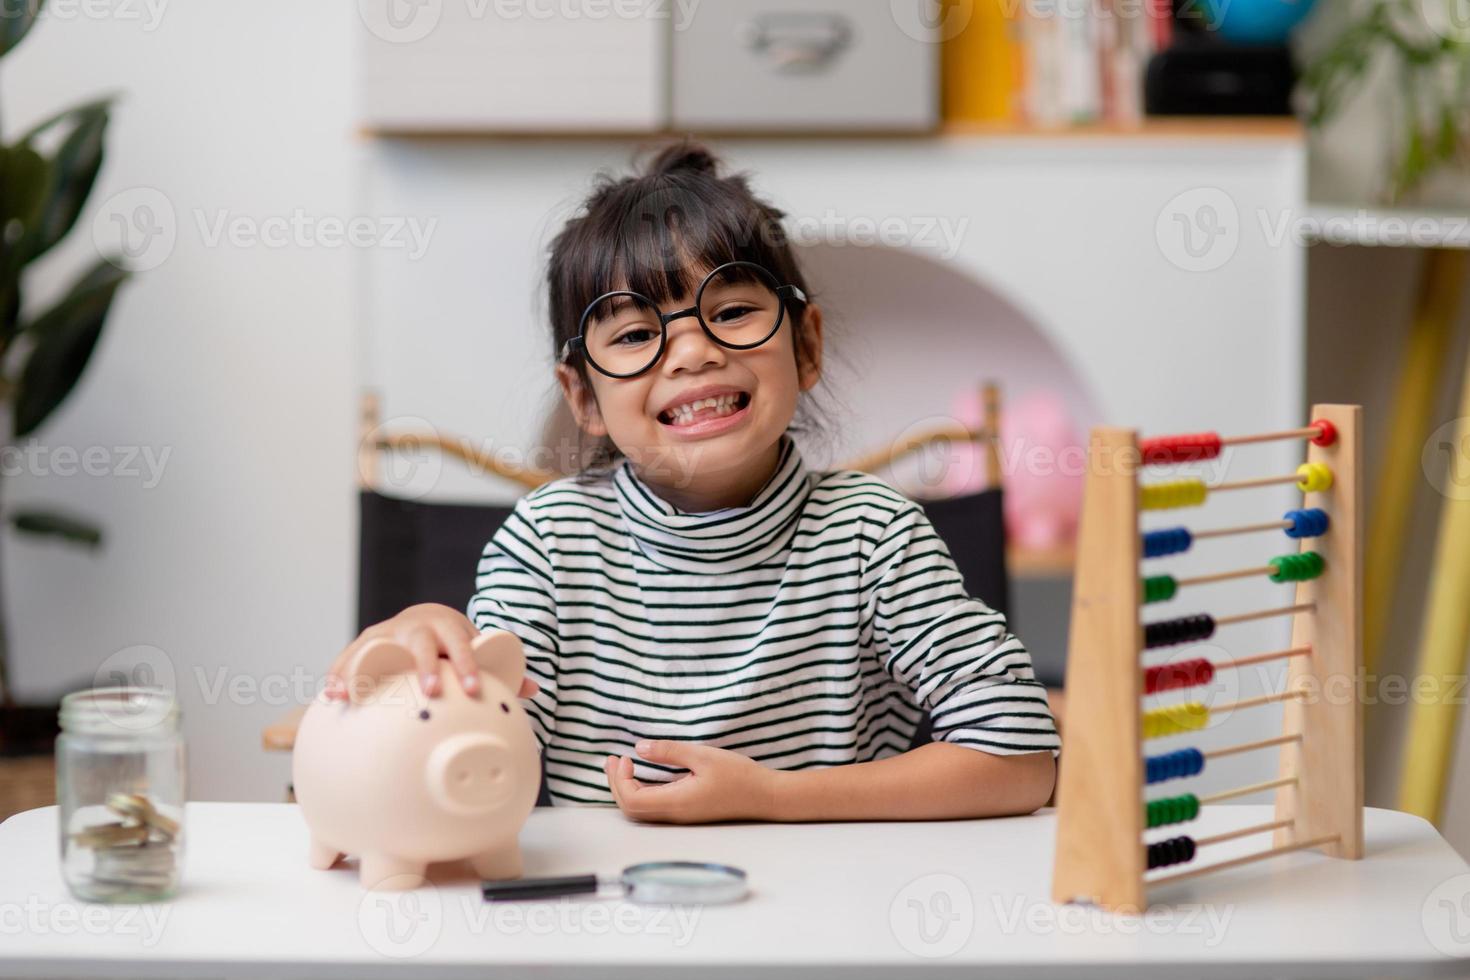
(1326, 433)
(1190, 448)
(1185, 673)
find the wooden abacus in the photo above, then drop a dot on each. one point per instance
(1102, 855)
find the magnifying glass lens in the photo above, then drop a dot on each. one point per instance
(684, 883)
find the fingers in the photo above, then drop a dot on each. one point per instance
(423, 643)
(456, 640)
(336, 682)
(529, 688)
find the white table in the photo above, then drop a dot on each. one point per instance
(827, 899)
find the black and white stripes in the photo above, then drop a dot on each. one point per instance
(810, 628)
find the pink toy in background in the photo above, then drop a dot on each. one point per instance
(1042, 463)
(403, 781)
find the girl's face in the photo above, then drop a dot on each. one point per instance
(717, 457)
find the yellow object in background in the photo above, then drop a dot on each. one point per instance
(982, 62)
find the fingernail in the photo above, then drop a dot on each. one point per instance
(643, 746)
(429, 683)
(471, 682)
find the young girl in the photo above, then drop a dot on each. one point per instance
(716, 632)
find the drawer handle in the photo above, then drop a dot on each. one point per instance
(798, 43)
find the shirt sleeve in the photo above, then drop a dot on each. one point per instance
(950, 649)
(514, 592)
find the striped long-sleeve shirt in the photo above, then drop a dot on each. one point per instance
(813, 627)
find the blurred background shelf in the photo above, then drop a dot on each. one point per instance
(1158, 127)
(1042, 564)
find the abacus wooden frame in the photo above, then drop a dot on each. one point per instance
(1101, 856)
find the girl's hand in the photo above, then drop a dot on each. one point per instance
(721, 784)
(429, 631)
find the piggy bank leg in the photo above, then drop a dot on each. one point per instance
(379, 872)
(499, 864)
(321, 856)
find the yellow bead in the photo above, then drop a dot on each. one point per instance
(1314, 477)
(1178, 493)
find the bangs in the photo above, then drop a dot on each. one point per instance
(661, 235)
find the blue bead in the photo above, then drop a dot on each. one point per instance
(1174, 765)
(1311, 523)
(1169, 541)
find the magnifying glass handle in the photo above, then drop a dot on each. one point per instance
(522, 889)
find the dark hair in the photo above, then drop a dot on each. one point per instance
(651, 232)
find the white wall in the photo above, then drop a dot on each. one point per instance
(234, 360)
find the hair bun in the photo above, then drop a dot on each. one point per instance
(686, 156)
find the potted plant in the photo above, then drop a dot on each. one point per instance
(46, 175)
(1426, 44)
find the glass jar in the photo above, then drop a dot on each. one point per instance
(120, 793)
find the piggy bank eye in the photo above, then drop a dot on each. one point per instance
(424, 715)
(505, 707)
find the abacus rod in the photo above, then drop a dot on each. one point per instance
(1261, 658)
(1226, 794)
(1247, 859)
(1265, 614)
(1264, 743)
(1307, 432)
(1257, 701)
(1223, 576)
(1260, 481)
(1259, 828)
(1221, 532)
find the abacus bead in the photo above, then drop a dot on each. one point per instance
(1313, 477)
(1311, 522)
(1326, 432)
(1168, 541)
(1159, 588)
(1190, 448)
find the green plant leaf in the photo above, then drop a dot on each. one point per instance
(16, 18)
(73, 172)
(23, 177)
(65, 336)
(47, 523)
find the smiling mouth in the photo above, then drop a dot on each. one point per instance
(705, 409)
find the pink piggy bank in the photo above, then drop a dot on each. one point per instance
(403, 781)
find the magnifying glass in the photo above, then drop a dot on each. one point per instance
(653, 882)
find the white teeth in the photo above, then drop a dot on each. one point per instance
(723, 405)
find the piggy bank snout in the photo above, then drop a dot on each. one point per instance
(471, 774)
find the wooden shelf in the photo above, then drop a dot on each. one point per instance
(1163, 127)
(1386, 227)
(1050, 563)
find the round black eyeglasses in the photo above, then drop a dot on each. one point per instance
(739, 305)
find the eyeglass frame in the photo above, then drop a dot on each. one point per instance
(784, 293)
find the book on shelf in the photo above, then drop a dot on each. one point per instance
(1052, 62)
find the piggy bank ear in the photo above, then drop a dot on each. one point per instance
(375, 661)
(500, 654)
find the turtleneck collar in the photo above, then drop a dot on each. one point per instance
(727, 539)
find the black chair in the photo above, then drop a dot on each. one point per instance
(415, 551)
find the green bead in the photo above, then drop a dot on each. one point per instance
(1159, 588)
(1298, 567)
(1171, 809)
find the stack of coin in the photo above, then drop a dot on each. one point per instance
(135, 853)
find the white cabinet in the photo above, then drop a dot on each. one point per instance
(530, 65)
